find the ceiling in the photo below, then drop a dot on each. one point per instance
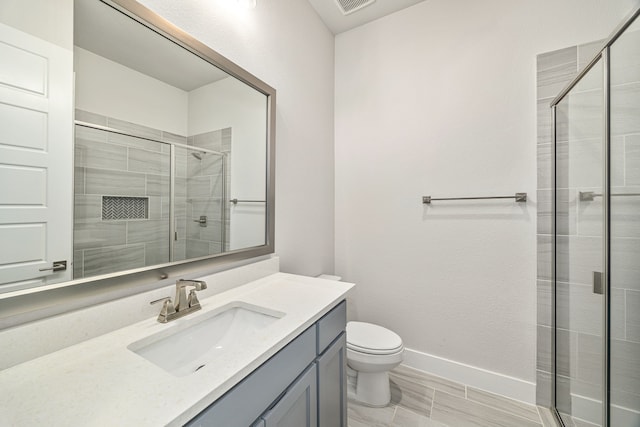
(106, 32)
(110, 34)
(337, 22)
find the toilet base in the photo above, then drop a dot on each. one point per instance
(371, 389)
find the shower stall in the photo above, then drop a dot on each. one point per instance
(146, 197)
(596, 238)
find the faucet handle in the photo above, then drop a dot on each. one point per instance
(167, 309)
(193, 299)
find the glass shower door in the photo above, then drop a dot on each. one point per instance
(579, 250)
(597, 238)
(200, 207)
(624, 349)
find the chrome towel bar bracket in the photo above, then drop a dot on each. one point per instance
(519, 197)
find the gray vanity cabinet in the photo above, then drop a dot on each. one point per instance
(303, 385)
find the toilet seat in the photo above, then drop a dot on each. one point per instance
(373, 351)
(372, 339)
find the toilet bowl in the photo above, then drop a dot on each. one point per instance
(372, 351)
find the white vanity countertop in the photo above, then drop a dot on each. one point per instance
(100, 382)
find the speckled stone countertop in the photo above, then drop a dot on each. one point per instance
(100, 382)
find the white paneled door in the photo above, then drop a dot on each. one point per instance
(36, 160)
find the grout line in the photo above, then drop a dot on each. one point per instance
(539, 416)
(625, 314)
(82, 266)
(433, 399)
(624, 160)
(507, 412)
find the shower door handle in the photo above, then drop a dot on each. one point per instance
(202, 220)
(598, 287)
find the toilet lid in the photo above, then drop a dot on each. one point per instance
(372, 339)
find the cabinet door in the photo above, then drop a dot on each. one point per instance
(298, 406)
(332, 385)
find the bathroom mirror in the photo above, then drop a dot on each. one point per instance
(171, 153)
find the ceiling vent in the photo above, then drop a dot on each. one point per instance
(350, 6)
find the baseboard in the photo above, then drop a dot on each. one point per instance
(493, 382)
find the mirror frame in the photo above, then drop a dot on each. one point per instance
(26, 305)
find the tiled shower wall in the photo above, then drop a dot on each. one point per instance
(109, 164)
(579, 319)
(116, 165)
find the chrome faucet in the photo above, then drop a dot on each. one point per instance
(183, 304)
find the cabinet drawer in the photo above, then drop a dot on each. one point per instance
(243, 404)
(331, 325)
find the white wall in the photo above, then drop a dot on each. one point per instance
(231, 103)
(52, 22)
(113, 90)
(439, 99)
(284, 43)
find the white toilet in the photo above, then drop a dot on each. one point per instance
(372, 351)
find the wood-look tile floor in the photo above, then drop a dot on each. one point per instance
(419, 399)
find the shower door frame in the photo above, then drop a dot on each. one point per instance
(604, 55)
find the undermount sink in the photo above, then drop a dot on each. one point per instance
(187, 346)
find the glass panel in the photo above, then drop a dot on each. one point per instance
(201, 211)
(121, 194)
(625, 230)
(579, 250)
